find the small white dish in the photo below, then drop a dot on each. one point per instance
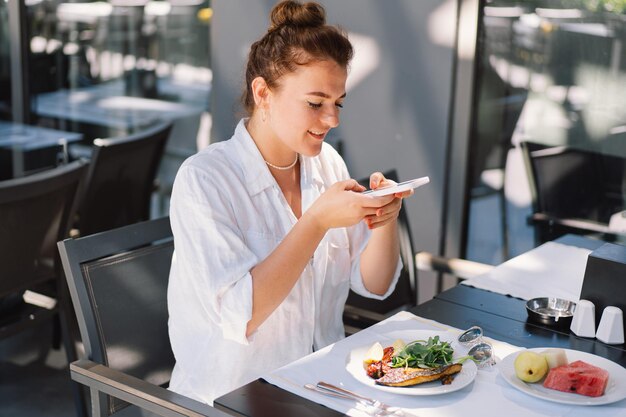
(611, 327)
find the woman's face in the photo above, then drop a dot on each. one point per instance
(306, 105)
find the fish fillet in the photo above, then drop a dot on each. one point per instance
(404, 377)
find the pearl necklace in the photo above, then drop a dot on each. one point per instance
(285, 168)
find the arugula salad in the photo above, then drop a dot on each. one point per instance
(430, 353)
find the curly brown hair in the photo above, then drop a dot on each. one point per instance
(298, 35)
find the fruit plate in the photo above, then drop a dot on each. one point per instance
(615, 390)
(355, 358)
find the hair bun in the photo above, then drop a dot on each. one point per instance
(291, 13)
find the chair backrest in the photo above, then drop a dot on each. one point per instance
(35, 212)
(120, 181)
(571, 183)
(405, 293)
(118, 284)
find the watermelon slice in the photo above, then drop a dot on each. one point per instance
(578, 377)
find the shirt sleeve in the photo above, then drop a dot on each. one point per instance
(213, 261)
(359, 235)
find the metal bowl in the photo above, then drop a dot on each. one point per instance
(551, 311)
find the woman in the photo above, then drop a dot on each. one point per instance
(270, 232)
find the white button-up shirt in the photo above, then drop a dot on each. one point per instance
(228, 214)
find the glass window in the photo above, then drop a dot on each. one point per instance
(84, 56)
(111, 68)
(553, 74)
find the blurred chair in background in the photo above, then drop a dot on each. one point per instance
(121, 180)
(35, 213)
(573, 190)
(361, 312)
(118, 283)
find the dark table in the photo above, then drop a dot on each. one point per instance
(26, 149)
(502, 317)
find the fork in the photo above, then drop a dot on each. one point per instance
(381, 409)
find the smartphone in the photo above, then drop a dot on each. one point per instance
(398, 188)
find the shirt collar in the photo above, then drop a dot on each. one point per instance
(256, 174)
(255, 171)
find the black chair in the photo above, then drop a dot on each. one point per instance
(573, 190)
(361, 312)
(118, 283)
(121, 180)
(35, 213)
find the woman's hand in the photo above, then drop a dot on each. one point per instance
(343, 205)
(389, 212)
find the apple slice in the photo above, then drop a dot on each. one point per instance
(555, 357)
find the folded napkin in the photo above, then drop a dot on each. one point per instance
(550, 270)
(488, 396)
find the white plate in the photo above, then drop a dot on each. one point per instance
(355, 365)
(615, 390)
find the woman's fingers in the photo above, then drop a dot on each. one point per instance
(343, 204)
(350, 185)
(381, 216)
(384, 215)
(404, 194)
(376, 222)
(376, 179)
